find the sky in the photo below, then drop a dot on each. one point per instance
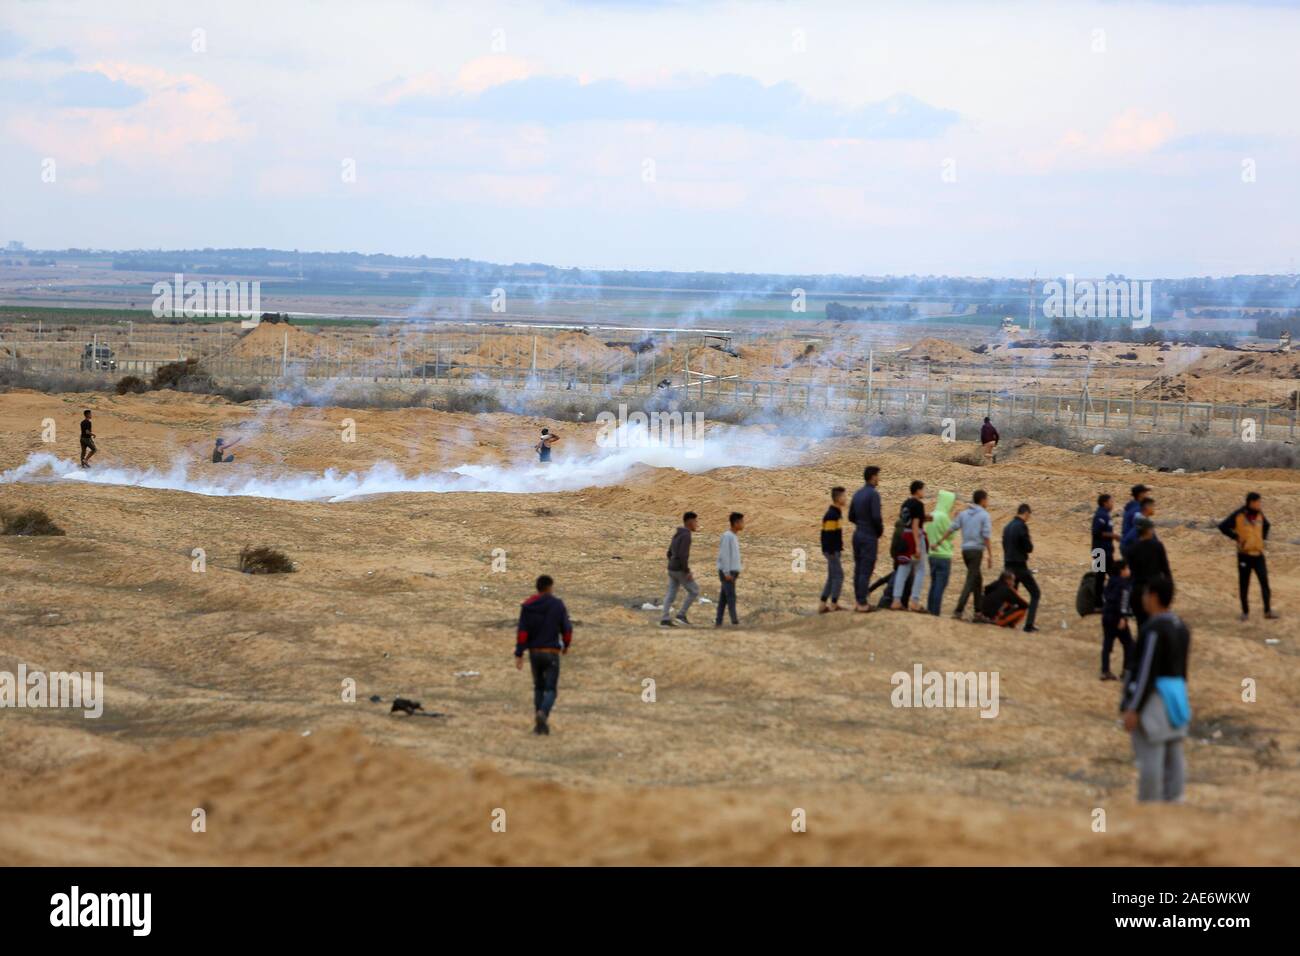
(926, 137)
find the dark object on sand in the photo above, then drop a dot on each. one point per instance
(30, 522)
(264, 561)
(408, 707)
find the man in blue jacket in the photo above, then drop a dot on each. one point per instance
(545, 631)
(864, 512)
(1132, 508)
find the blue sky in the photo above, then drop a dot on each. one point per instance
(1148, 138)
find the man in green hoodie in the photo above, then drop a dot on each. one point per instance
(936, 529)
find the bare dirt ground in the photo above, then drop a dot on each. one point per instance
(224, 690)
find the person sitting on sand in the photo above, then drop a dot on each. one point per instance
(219, 450)
(1002, 604)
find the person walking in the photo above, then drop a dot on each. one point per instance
(88, 448)
(729, 567)
(1148, 561)
(912, 553)
(976, 529)
(936, 530)
(1249, 528)
(1116, 609)
(864, 513)
(1154, 702)
(1103, 544)
(832, 541)
(989, 439)
(545, 632)
(1017, 546)
(679, 572)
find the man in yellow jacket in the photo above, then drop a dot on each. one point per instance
(1249, 528)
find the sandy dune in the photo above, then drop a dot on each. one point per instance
(214, 677)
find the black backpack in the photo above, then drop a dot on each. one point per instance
(1085, 600)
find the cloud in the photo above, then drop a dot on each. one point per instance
(11, 44)
(90, 89)
(780, 109)
(54, 54)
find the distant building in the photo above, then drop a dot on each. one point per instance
(13, 245)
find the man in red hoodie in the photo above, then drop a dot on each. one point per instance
(545, 631)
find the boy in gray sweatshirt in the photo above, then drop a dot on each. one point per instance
(729, 566)
(679, 572)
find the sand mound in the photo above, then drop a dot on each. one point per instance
(268, 341)
(939, 350)
(277, 798)
(566, 349)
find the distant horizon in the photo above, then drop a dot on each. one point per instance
(1042, 277)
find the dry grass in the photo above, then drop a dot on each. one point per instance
(30, 522)
(265, 561)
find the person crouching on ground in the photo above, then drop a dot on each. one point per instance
(545, 631)
(1002, 604)
(832, 550)
(1154, 703)
(220, 450)
(729, 567)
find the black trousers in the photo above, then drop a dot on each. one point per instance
(1026, 577)
(1245, 564)
(974, 586)
(546, 679)
(727, 596)
(864, 562)
(1110, 632)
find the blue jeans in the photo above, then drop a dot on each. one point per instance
(917, 564)
(727, 596)
(546, 679)
(940, 569)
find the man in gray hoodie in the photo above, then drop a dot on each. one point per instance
(679, 572)
(729, 566)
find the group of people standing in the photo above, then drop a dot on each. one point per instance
(921, 547)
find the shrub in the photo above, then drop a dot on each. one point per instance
(171, 374)
(30, 521)
(132, 385)
(264, 561)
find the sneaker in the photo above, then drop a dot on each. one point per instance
(823, 608)
(667, 623)
(1031, 629)
(1271, 615)
(1244, 617)
(539, 724)
(958, 616)
(1107, 675)
(680, 621)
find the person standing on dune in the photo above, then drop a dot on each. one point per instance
(543, 446)
(864, 512)
(989, 439)
(679, 572)
(1017, 546)
(545, 631)
(729, 567)
(832, 541)
(1249, 528)
(88, 448)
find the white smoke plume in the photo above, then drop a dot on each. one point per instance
(608, 466)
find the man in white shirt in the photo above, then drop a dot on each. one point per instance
(729, 566)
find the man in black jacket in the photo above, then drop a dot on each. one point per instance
(1161, 652)
(864, 512)
(545, 631)
(1016, 549)
(679, 572)
(1148, 561)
